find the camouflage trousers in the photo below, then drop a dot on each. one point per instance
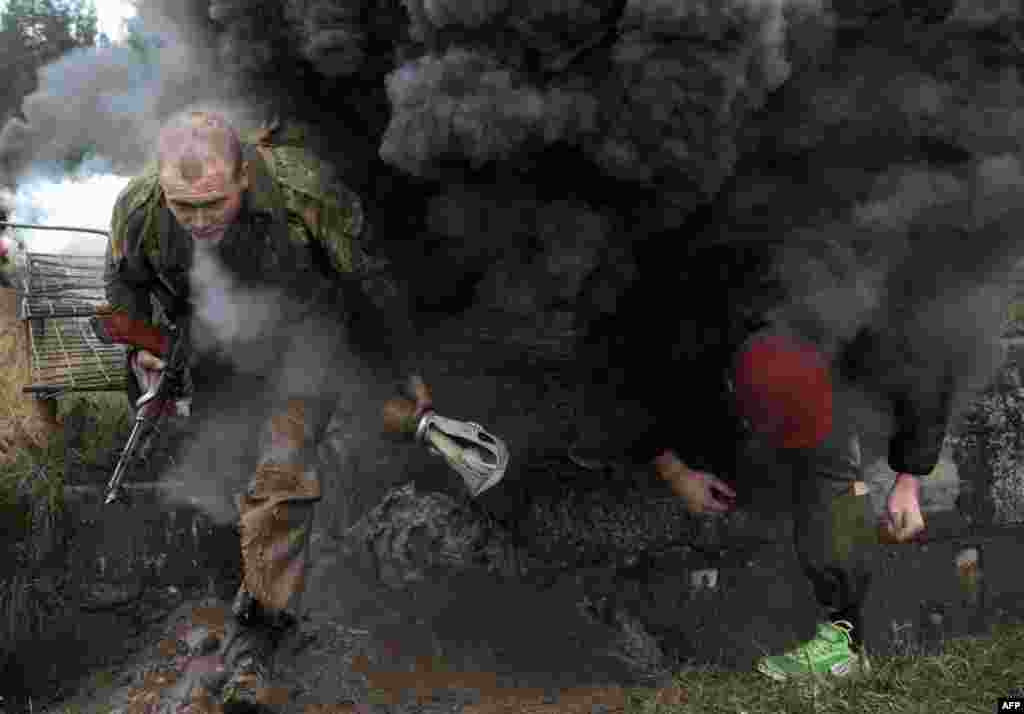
(250, 452)
(277, 508)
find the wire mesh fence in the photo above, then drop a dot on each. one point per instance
(59, 294)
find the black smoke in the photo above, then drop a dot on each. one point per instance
(527, 156)
(838, 164)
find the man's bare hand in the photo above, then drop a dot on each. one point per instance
(147, 367)
(402, 416)
(702, 492)
(903, 520)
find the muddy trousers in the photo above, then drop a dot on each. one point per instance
(255, 446)
(834, 525)
(276, 510)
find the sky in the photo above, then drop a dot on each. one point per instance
(110, 14)
(76, 201)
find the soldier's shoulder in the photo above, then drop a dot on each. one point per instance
(137, 192)
(127, 221)
(299, 169)
(293, 161)
(307, 179)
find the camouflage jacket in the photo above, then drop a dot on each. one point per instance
(300, 230)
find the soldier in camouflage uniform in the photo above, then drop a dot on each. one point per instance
(269, 214)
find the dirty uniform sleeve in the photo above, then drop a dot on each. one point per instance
(921, 411)
(128, 275)
(921, 424)
(919, 383)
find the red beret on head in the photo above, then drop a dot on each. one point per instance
(784, 388)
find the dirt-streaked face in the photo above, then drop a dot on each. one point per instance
(204, 193)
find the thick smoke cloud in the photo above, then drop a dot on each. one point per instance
(283, 352)
(876, 136)
(986, 13)
(440, 14)
(538, 255)
(666, 96)
(332, 34)
(106, 98)
(468, 106)
(683, 76)
(652, 92)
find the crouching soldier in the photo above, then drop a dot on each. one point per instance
(825, 406)
(265, 213)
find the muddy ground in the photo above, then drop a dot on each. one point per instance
(463, 641)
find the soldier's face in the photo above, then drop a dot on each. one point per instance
(207, 198)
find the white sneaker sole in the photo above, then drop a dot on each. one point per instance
(853, 666)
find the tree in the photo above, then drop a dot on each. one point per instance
(34, 33)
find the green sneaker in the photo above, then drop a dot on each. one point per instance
(831, 652)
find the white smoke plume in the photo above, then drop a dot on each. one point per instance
(250, 326)
(111, 100)
(229, 315)
(83, 198)
(261, 333)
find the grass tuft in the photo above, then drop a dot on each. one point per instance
(968, 678)
(32, 481)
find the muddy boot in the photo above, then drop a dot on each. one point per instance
(248, 654)
(250, 665)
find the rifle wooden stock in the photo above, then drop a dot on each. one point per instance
(120, 328)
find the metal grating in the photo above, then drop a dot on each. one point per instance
(61, 286)
(60, 293)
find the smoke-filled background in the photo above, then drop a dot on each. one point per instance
(582, 173)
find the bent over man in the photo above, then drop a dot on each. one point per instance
(223, 217)
(825, 403)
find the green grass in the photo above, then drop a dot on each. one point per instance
(111, 420)
(31, 502)
(969, 677)
(34, 482)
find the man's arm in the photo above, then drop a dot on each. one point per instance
(128, 277)
(922, 414)
(381, 323)
(128, 280)
(919, 380)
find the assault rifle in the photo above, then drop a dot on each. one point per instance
(172, 346)
(152, 406)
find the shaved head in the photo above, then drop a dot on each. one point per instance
(202, 172)
(190, 140)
